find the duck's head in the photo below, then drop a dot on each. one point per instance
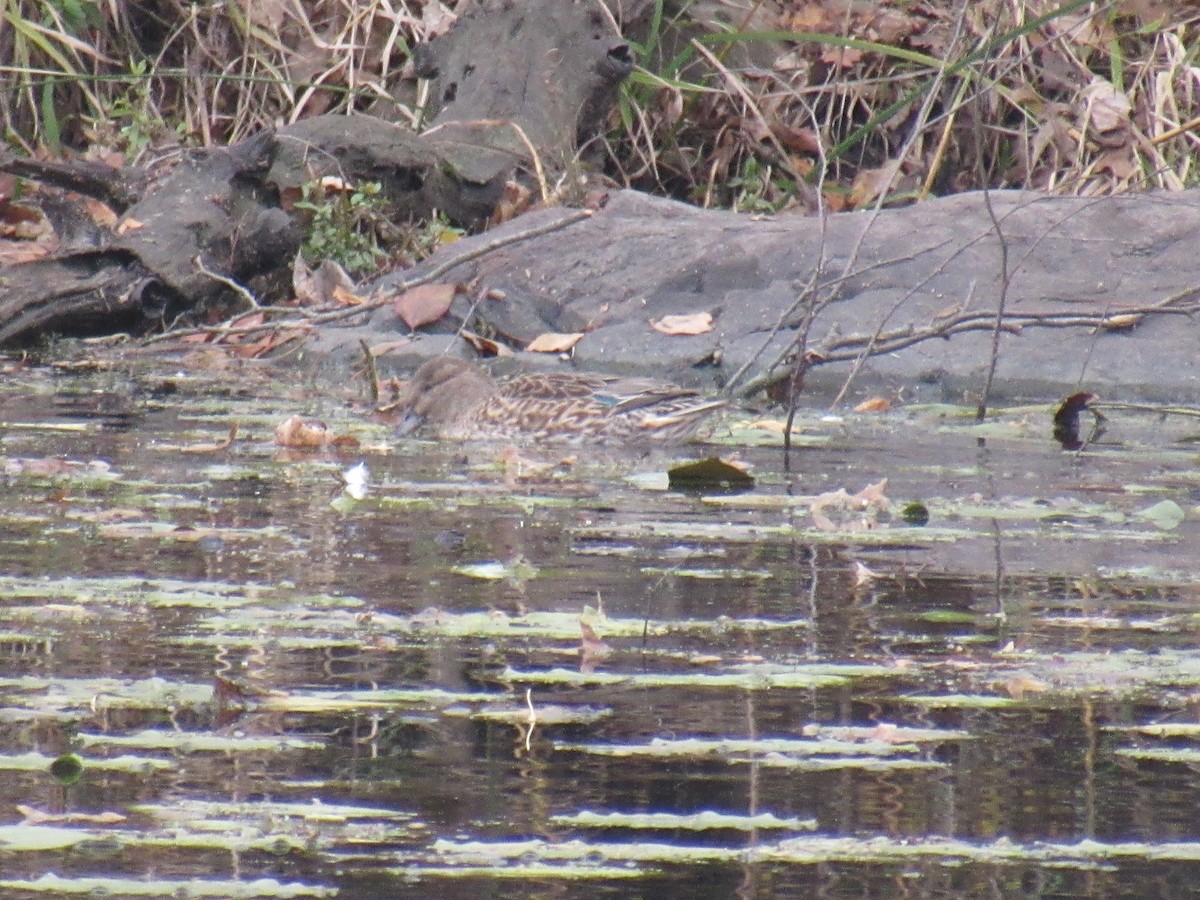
(442, 392)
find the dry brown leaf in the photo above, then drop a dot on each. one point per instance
(688, 324)
(808, 17)
(486, 346)
(425, 304)
(326, 284)
(1108, 109)
(874, 404)
(553, 342)
(386, 347)
(870, 184)
(24, 250)
(842, 57)
(1121, 322)
(514, 200)
(1119, 161)
(297, 432)
(345, 296)
(250, 320)
(270, 14)
(35, 816)
(872, 495)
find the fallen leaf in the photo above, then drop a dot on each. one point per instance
(386, 347)
(553, 342)
(297, 432)
(515, 198)
(708, 474)
(870, 184)
(870, 497)
(345, 296)
(486, 346)
(1108, 109)
(842, 57)
(874, 404)
(1165, 515)
(689, 324)
(1121, 321)
(34, 816)
(425, 304)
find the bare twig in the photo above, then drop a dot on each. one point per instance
(1001, 303)
(372, 370)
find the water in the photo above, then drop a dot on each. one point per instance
(284, 692)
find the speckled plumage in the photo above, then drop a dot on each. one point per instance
(460, 401)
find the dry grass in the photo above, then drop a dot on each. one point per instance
(124, 76)
(885, 102)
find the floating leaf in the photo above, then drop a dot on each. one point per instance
(874, 404)
(1166, 515)
(709, 473)
(35, 816)
(297, 432)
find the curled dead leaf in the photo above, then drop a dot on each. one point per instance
(1108, 109)
(297, 432)
(1121, 322)
(484, 345)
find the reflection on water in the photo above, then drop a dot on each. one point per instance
(388, 697)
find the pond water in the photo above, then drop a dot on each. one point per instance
(519, 675)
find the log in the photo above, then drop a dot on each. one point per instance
(514, 85)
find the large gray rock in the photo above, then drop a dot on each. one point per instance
(640, 258)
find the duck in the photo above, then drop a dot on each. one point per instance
(458, 400)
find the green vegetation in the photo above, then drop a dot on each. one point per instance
(344, 225)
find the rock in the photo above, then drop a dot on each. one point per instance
(936, 262)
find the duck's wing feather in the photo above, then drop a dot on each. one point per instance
(551, 386)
